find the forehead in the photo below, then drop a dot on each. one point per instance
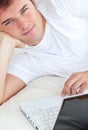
(15, 6)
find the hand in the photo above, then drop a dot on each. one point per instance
(77, 83)
(7, 39)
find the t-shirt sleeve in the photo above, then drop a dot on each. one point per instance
(23, 66)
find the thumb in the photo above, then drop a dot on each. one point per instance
(63, 93)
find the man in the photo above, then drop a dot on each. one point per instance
(25, 24)
(53, 41)
(66, 52)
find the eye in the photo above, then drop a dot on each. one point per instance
(24, 10)
(8, 22)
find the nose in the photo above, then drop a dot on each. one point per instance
(22, 23)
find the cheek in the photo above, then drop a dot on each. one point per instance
(31, 16)
(28, 17)
(6, 29)
(13, 34)
(13, 31)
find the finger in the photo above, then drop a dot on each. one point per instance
(19, 44)
(83, 87)
(72, 79)
(75, 87)
(63, 93)
(68, 84)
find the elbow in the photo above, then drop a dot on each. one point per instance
(1, 102)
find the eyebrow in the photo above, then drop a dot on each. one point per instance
(20, 11)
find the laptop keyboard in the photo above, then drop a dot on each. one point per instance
(42, 113)
(44, 119)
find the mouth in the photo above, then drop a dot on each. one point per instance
(29, 31)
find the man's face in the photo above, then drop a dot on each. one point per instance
(22, 20)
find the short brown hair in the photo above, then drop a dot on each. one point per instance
(5, 3)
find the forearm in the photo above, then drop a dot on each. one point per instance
(6, 50)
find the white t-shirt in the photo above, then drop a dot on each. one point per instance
(64, 47)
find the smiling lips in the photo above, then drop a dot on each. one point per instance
(28, 31)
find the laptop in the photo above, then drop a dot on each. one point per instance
(43, 114)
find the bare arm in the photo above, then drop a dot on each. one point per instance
(13, 85)
(7, 46)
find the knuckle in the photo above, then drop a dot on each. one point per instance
(67, 84)
(79, 75)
